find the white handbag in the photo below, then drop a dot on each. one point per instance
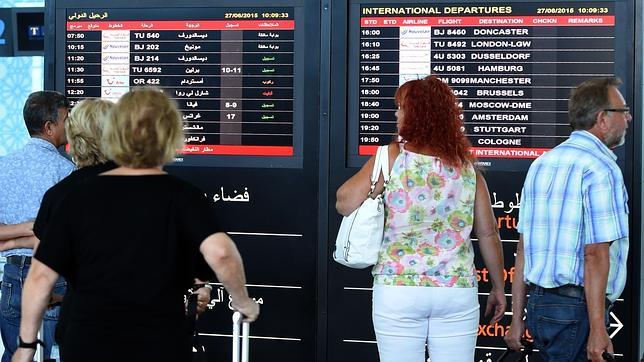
(360, 236)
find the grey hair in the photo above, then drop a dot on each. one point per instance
(588, 99)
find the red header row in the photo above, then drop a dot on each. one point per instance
(479, 152)
(608, 20)
(181, 25)
(237, 150)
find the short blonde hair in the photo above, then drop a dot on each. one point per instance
(84, 129)
(145, 129)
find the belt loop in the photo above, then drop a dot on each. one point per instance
(19, 260)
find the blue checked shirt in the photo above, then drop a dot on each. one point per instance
(574, 195)
(25, 176)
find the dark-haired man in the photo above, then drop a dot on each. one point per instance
(573, 226)
(26, 175)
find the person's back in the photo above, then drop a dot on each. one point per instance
(138, 233)
(553, 199)
(26, 175)
(430, 212)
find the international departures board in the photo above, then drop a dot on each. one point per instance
(282, 103)
(511, 64)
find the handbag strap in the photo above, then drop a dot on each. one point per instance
(381, 164)
(384, 162)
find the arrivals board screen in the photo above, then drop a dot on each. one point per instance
(231, 71)
(511, 65)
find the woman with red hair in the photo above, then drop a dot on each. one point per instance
(425, 286)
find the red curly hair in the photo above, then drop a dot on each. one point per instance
(431, 119)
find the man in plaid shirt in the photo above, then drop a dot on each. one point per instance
(573, 225)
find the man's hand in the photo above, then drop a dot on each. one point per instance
(54, 300)
(203, 298)
(7, 245)
(249, 308)
(16, 230)
(598, 342)
(496, 301)
(513, 337)
(18, 242)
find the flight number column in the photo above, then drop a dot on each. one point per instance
(83, 65)
(378, 81)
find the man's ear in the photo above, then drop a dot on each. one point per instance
(47, 128)
(602, 122)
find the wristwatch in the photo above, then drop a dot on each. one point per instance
(31, 345)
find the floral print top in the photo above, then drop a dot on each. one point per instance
(428, 220)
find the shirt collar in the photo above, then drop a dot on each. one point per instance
(588, 139)
(42, 143)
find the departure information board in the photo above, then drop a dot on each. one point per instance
(511, 65)
(231, 71)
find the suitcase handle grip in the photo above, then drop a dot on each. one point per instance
(527, 351)
(608, 357)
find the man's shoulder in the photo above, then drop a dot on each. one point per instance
(46, 167)
(575, 152)
(14, 155)
(55, 164)
(64, 164)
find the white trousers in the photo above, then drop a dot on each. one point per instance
(406, 318)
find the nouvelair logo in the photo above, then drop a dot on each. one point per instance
(2, 39)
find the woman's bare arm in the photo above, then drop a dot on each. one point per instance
(355, 190)
(222, 256)
(35, 296)
(491, 250)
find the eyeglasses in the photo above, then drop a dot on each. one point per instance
(625, 110)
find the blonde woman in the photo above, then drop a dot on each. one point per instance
(84, 129)
(129, 242)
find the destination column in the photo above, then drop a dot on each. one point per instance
(490, 69)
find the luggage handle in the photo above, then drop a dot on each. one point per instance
(245, 327)
(527, 351)
(608, 357)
